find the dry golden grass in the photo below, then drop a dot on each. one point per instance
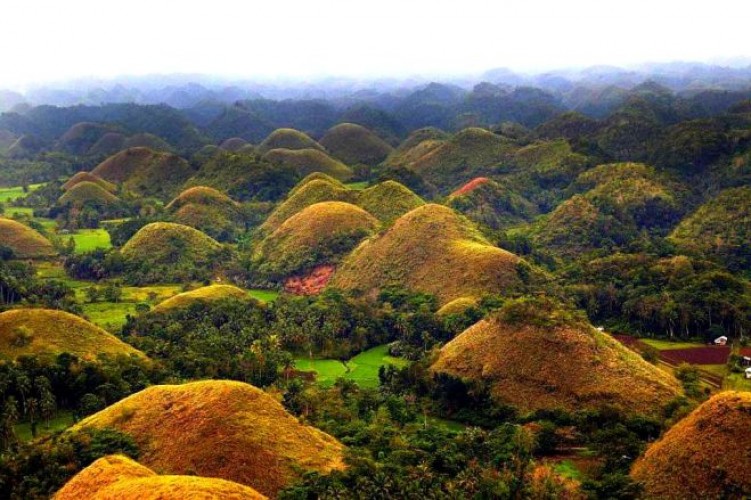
(565, 364)
(24, 241)
(89, 177)
(47, 333)
(288, 138)
(388, 200)
(87, 192)
(355, 144)
(319, 234)
(457, 306)
(222, 429)
(146, 172)
(117, 477)
(202, 195)
(309, 160)
(417, 144)
(705, 455)
(302, 196)
(209, 293)
(434, 250)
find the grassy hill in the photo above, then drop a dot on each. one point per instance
(721, 227)
(433, 250)
(319, 234)
(222, 429)
(79, 138)
(491, 204)
(535, 356)
(234, 144)
(355, 144)
(388, 200)
(209, 293)
(309, 160)
(202, 195)
(88, 177)
(146, 140)
(117, 476)
(471, 153)
(288, 138)
(146, 172)
(23, 240)
(166, 251)
(109, 144)
(705, 455)
(416, 145)
(47, 333)
(87, 192)
(208, 210)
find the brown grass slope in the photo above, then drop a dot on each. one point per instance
(88, 177)
(24, 241)
(47, 333)
(109, 144)
(319, 234)
(146, 172)
(288, 138)
(705, 455)
(314, 191)
(316, 176)
(354, 144)
(87, 192)
(204, 294)
(202, 195)
(118, 477)
(308, 160)
(222, 429)
(570, 365)
(80, 137)
(434, 250)
(491, 204)
(470, 153)
(146, 140)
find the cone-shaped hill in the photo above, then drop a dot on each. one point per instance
(207, 210)
(221, 429)
(720, 227)
(705, 455)
(354, 144)
(319, 234)
(87, 192)
(419, 143)
(25, 242)
(386, 201)
(234, 144)
(471, 153)
(535, 355)
(288, 138)
(146, 172)
(309, 160)
(47, 333)
(88, 177)
(433, 250)
(79, 138)
(491, 204)
(162, 249)
(109, 144)
(119, 477)
(204, 294)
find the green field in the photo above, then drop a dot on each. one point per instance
(357, 185)
(666, 345)
(62, 421)
(11, 193)
(89, 239)
(362, 369)
(263, 295)
(26, 211)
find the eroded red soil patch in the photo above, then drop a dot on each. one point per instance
(311, 283)
(473, 184)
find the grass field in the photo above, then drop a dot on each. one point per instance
(11, 193)
(90, 239)
(568, 469)
(109, 315)
(62, 421)
(11, 211)
(263, 295)
(666, 345)
(362, 369)
(357, 185)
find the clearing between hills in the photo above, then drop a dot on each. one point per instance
(362, 369)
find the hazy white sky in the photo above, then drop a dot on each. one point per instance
(47, 40)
